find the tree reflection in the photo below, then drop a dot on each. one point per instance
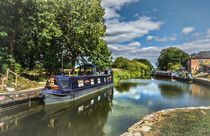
(89, 122)
(171, 91)
(126, 86)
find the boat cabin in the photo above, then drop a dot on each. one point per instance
(89, 76)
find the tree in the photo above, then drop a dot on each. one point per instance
(83, 28)
(172, 56)
(146, 62)
(37, 33)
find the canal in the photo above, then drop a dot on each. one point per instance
(108, 113)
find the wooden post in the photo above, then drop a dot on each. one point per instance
(16, 81)
(2, 83)
(7, 75)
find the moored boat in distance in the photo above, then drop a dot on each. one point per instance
(90, 80)
(164, 74)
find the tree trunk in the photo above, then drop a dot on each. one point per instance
(73, 63)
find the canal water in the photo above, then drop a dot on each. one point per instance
(108, 113)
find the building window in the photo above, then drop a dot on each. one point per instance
(80, 83)
(92, 81)
(99, 80)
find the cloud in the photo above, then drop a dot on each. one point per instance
(127, 31)
(187, 30)
(117, 4)
(155, 9)
(110, 13)
(149, 37)
(208, 31)
(111, 6)
(152, 53)
(164, 39)
(134, 44)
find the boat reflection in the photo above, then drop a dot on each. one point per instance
(75, 118)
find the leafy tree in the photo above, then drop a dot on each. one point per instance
(146, 62)
(82, 26)
(37, 33)
(131, 65)
(172, 56)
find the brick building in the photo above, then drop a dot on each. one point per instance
(194, 63)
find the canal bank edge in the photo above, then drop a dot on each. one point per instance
(203, 81)
(9, 100)
(144, 126)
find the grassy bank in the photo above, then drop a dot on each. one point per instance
(183, 123)
(25, 81)
(174, 122)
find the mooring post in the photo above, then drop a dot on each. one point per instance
(7, 75)
(2, 82)
(16, 81)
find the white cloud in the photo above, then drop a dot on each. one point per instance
(187, 30)
(149, 37)
(152, 53)
(127, 31)
(111, 6)
(164, 39)
(117, 4)
(134, 44)
(110, 13)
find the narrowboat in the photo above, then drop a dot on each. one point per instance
(90, 79)
(163, 74)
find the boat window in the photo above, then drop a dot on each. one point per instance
(52, 84)
(92, 81)
(99, 80)
(80, 83)
(104, 79)
(110, 78)
(64, 82)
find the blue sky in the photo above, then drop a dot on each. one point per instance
(142, 28)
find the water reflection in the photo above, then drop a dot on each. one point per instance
(171, 91)
(111, 116)
(200, 91)
(50, 121)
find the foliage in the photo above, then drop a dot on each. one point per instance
(175, 67)
(205, 66)
(37, 33)
(125, 69)
(172, 56)
(146, 62)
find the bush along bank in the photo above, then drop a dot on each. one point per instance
(127, 69)
(125, 74)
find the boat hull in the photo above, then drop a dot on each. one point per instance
(54, 99)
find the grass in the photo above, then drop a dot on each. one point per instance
(183, 123)
(26, 81)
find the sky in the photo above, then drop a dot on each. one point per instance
(142, 28)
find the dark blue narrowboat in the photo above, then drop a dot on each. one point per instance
(66, 88)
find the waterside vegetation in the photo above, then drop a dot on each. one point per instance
(127, 69)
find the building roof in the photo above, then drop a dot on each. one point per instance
(202, 55)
